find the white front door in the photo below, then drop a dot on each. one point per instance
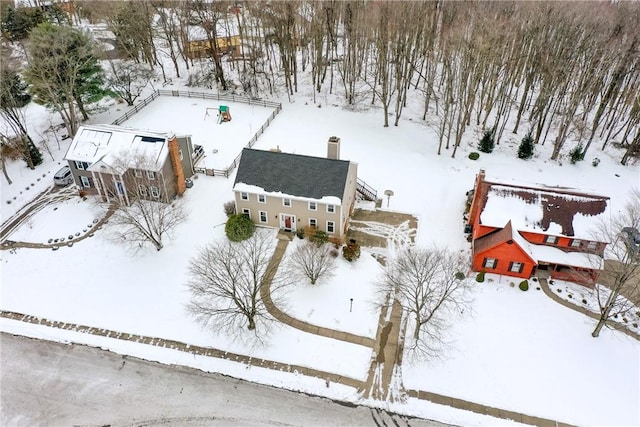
(288, 222)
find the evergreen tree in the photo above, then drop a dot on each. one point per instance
(13, 97)
(63, 71)
(487, 143)
(525, 150)
(576, 155)
(34, 154)
(17, 23)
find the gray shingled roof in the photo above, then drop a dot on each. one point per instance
(293, 174)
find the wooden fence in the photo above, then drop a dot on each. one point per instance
(217, 97)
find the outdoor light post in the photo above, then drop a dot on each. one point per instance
(388, 193)
(351, 305)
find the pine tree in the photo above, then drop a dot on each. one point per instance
(63, 71)
(525, 150)
(34, 154)
(487, 143)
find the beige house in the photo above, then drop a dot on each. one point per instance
(118, 163)
(291, 191)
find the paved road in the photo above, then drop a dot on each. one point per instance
(51, 384)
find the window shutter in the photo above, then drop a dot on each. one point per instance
(510, 265)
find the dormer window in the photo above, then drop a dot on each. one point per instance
(551, 240)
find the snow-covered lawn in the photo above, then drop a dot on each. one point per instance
(198, 118)
(58, 221)
(516, 350)
(344, 302)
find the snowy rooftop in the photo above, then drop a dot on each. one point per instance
(224, 28)
(107, 145)
(555, 255)
(552, 211)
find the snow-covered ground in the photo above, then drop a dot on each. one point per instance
(221, 142)
(516, 350)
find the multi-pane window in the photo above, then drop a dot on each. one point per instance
(262, 198)
(137, 173)
(313, 206)
(263, 216)
(151, 175)
(85, 181)
(490, 263)
(313, 223)
(331, 208)
(330, 226)
(142, 190)
(575, 243)
(120, 188)
(551, 239)
(516, 267)
(286, 202)
(246, 212)
(244, 196)
(154, 191)
(82, 165)
(592, 246)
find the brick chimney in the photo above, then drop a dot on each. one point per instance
(333, 148)
(178, 170)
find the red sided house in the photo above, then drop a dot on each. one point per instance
(522, 231)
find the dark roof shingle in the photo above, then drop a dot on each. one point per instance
(293, 174)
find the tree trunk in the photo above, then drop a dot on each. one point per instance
(252, 323)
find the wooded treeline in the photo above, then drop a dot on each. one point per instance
(568, 72)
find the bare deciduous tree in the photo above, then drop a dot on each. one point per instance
(225, 280)
(129, 79)
(429, 286)
(622, 264)
(313, 261)
(141, 217)
(147, 221)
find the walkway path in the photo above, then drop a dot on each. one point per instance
(265, 294)
(615, 325)
(380, 384)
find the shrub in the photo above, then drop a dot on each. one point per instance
(480, 277)
(524, 285)
(525, 150)
(300, 233)
(474, 155)
(460, 275)
(319, 237)
(576, 155)
(230, 208)
(351, 251)
(239, 227)
(584, 301)
(487, 143)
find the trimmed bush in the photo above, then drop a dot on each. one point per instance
(524, 285)
(239, 227)
(319, 237)
(460, 275)
(351, 251)
(480, 277)
(487, 143)
(525, 150)
(474, 155)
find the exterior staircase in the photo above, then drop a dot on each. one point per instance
(365, 192)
